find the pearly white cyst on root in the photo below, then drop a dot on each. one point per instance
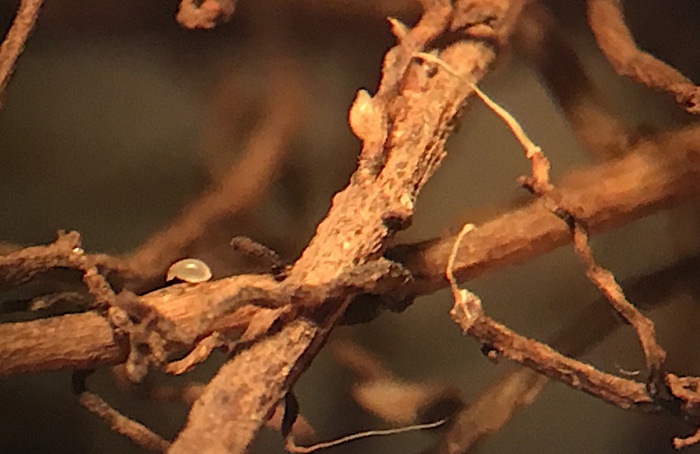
(189, 270)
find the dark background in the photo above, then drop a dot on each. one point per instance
(101, 132)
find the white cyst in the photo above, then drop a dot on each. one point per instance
(189, 270)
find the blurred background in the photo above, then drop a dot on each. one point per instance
(117, 118)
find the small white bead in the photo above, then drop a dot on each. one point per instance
(189, 270)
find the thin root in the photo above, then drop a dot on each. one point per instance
(467, 306)
(291, 447)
